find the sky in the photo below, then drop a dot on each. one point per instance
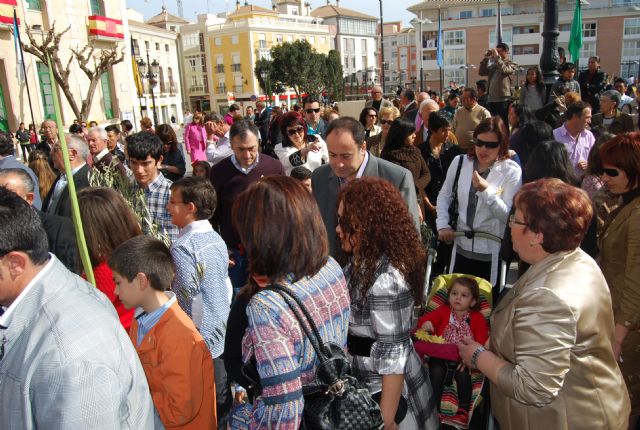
(393, 10)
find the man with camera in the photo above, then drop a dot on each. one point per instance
(499, 69)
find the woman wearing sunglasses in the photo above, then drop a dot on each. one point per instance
(486, 183)
(386, 116)
(620, 255)
(299, 148)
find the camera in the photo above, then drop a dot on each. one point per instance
(311, 138)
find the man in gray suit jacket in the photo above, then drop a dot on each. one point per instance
(348, 160)
(65, 360)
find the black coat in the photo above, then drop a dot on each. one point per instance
(62, 240)
(63, 207)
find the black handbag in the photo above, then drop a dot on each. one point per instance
(335, 399)
(453, 206)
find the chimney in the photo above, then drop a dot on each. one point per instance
(237, 4)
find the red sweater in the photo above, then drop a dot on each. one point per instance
(104, 282)
(440, 320)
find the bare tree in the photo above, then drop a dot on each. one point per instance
(92, 63)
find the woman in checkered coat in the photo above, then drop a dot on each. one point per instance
(385, 276)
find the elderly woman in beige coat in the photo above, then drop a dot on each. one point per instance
(551, 362)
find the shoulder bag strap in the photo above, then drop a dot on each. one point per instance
(455, 181)
(305, 320)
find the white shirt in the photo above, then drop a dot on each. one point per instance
(218, 151)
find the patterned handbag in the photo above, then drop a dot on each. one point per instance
(335, 399)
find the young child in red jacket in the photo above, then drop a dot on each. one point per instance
(455, 321)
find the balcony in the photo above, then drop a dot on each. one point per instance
(220, 68)
(222, 89)
(197, 89)
(236, 67)
(168, 87)
(105, 29)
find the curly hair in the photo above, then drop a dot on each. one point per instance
(377, 216)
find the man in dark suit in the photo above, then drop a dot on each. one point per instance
(8, 161)
(409, 104)
(348, 160)
(103, 160)
(60, 233)
(262, 121)
(58, 201)
(50, 137)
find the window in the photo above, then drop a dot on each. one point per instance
(353, 62)
(589, 29)
(455, 75)
(289, 38)
(34, 5)
(218, 41)
(588, 50)
(161, 80)
(622, 3)
(157, 46)
(136, 47)
(146, 45)
(455, 37)
(349, 44)
(365, 62)
(166, 48)
(565, 27)
(631, 26)
(234, 39)
(631, 48)
(201, 41)
(170, 80)
(363, 45)
(454, 57)
(190, 41)
(278, 38)
(97, 8)
(526, 49)
(487, 12)
(526, 29)
(312, 40)
(507, 36)
(203, 63)
(46, 91)
(466, 14)
(107, 101)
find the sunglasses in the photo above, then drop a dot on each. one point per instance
(297, 130)
(489, 145)
(372, 115)
(612, 173)
(386, 121)
(317, 110)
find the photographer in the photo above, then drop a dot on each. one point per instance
(499, 69)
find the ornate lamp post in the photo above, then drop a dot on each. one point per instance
(267, 90)
(150, 74)
(549, 57)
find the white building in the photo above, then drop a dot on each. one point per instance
(157, 49)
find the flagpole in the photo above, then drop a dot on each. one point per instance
(440, 51)
(71, 185)
(24, 70)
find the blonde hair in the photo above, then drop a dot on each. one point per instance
(39, 163)
(393, 111)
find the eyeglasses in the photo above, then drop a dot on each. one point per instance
(490, 145)
(612, 173)
(376, 92)
(316, 110)
(386, 121)
(513, 220)
(298, 130)
(372, 115)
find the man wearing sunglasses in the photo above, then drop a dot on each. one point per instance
(312, 111)
(575, 136)
(348, 160)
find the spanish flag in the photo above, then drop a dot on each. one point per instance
(105, 27)
(136, 72)
(6, 11)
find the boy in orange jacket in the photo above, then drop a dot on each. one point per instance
(174, 356)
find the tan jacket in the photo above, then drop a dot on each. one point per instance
(555, 327)
(499, 78)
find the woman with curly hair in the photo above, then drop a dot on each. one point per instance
(385, 277)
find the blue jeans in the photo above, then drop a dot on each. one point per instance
(238, 273)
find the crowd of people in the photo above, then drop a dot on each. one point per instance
(342, 213)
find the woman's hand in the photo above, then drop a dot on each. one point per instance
(479, 183)
(446, 234)
(428, 326)
(466, 348)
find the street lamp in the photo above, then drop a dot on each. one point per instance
(550, 33)
(151, 76)
(466, 67)
(417, 24)
(267, 89)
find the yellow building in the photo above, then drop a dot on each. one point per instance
(247, 36)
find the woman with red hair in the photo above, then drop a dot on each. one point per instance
(385, 277)
(298, 148)
(550, 361)
(620, 255)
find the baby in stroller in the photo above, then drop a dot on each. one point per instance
(454, 321)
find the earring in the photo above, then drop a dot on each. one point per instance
(532, 244)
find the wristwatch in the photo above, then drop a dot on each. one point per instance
(475, 355)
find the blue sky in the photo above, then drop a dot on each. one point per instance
(394, 10)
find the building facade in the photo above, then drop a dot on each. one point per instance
(97, 22)
(247, 35)
(400, 66)
(610, 29)
(157, 48)
(354, 35)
